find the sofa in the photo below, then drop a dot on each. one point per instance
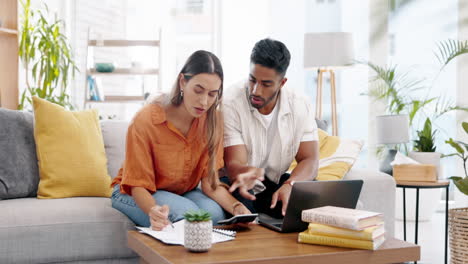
(88, 229)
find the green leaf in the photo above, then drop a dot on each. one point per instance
(465, 127)
(462, 144)
(197, 216)
(450, 49)
(455, 145)
(449, 155)
(426, 138)
(461, 183)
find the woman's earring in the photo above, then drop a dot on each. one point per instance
(181, 93)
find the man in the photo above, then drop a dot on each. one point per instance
(266, 128)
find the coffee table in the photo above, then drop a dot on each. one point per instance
(261, 246)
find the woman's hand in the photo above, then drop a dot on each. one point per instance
(159, 217)
(241, 209)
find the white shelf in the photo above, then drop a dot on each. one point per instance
(125, 71)
(138, 96)
(122, 43)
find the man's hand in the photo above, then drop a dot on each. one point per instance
(159, 217)
(282, 194)
(246, 181)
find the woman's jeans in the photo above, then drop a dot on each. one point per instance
(178, 205)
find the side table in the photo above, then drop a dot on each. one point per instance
(424, 185)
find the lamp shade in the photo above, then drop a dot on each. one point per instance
(392, 129)
(328, 50)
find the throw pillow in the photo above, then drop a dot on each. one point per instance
(114, 133)
(336, 156)
(70, 150)
(19, 174)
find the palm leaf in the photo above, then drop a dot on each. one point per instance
(450, 49)
(417, 105)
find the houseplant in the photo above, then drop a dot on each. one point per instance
(424, 149)
(197, 230)
(426, 138)
(461, 152)
(46, 57)
(458, 217)
(399, 90)
(407, 92)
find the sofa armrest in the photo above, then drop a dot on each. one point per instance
(377, 194)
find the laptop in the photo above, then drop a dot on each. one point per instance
(312, 194)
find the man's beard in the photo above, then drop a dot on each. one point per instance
(265, 101)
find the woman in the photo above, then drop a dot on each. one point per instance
(174, 144)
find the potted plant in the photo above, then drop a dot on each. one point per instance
(400, 91)
(458, 223)
(424, 147)
(197, 230)
(462, 153)
(46, 57)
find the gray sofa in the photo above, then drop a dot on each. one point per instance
(88, 229)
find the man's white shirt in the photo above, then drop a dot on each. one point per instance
(272, 141)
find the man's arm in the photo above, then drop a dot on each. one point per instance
(307, 158)
(241, 175)
(307, 167)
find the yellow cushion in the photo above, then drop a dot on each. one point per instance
(337, 156)
(70, 150)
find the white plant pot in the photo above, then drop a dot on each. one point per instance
(198, 235)
(428, 198)
(428, 158)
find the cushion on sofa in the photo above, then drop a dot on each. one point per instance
(337, 156)
(114, 133)
(60, 230)
(70, 150)
(19, 173)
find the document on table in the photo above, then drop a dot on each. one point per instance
(175, 235)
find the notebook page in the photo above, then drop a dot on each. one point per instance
(175, 235)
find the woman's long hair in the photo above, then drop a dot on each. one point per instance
(204, 62)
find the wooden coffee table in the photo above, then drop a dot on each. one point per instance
(261, 246)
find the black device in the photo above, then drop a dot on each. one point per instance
(244, 218)
(312, 194)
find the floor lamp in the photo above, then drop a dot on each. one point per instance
(327, 52)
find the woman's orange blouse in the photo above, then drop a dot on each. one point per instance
(159, 157)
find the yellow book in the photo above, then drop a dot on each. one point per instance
(369, 233)
(307, 238)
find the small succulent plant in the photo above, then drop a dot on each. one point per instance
(197, 216)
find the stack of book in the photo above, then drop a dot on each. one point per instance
(343, 227)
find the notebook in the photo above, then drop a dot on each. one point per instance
(175, 235)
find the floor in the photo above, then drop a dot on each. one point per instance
(430, 238)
